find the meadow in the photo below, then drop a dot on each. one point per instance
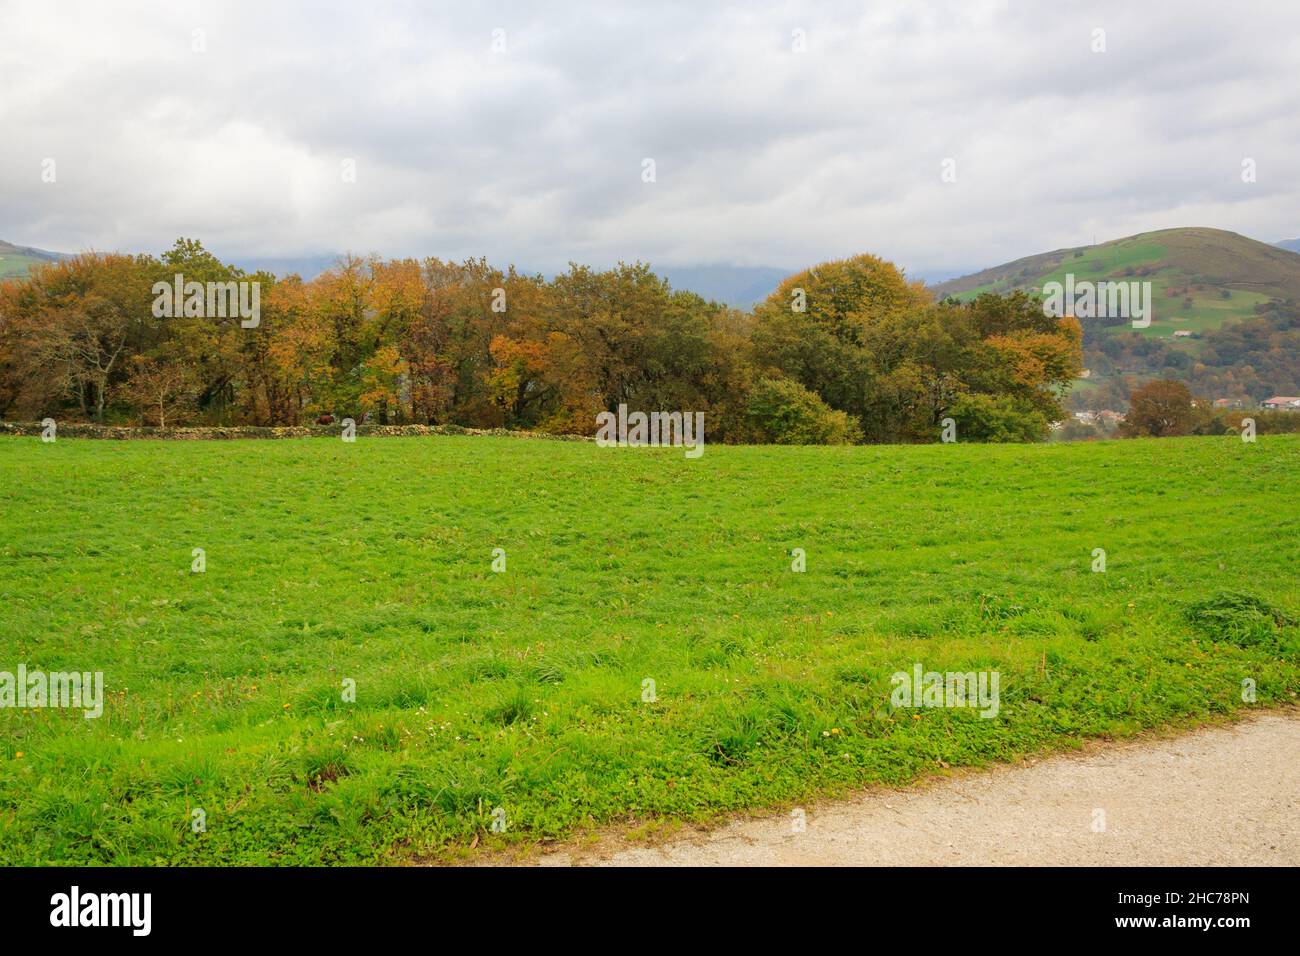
(646, 655)
(1146, 258)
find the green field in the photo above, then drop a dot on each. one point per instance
(523, 690)
(1181, 264)
(13, 265)
(18, 261)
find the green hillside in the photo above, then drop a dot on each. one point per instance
(1201, 279)
(18, 260)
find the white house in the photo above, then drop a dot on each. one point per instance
(1288, 402)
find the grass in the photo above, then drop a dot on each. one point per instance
(17, 261)
(372, 562)
(13, 265)
(1181, 264)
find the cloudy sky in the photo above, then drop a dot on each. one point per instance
(782, 134)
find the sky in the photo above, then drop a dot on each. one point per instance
(946, 137)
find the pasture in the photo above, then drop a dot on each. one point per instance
(646, 655)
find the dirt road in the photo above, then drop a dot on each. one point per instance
(1219, 796)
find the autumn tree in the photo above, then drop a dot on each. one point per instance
(1159, 409)
(292, 367)
(159, 387)
(873, 345)
(215, 349)
(75, 323)
(814, 326)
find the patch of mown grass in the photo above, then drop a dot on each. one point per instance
(370, 563)
(1240, 618)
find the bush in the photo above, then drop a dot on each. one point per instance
(1075, 430)
(783, 412)
(997, 418)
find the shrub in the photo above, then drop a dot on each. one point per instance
(1075, 430)
(997, 418)
(783, 412)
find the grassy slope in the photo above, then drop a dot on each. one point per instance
(1252, 271)
(17, 261)
(371, 561)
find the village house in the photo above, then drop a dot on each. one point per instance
(1285, 402)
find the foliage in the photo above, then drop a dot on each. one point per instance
(1246, 360)
(872, 346)
(783, 412)
(1159, 409)
(433, 342)
(997, 418)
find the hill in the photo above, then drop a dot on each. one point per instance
(738, 286)
(1201, 278)
(18, 260)
(1292, 244)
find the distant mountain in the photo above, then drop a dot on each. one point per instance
(745, 286)
(1292, 244)
(738, 286)
(18, 260)
(1201, 278)
(306, 267)
(933, 277)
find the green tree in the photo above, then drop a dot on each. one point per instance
(997, 418)
(783, 412)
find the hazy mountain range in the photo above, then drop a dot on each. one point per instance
(1240, 263)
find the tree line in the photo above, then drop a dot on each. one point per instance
(847, 351)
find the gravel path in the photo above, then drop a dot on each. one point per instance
(1219, 796)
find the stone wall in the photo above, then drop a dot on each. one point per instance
(88, 430)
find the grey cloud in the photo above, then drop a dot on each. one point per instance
(764, 156)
